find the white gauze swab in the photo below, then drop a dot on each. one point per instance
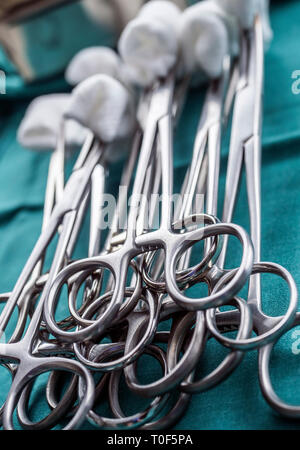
(149, 44)
(104, 106)
(204, 40)
(94, 61)
(40, 126)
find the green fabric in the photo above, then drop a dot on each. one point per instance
(237, 403)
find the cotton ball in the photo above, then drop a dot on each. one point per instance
(75, 134)
(210, 7)
(149, 43)
(204, 41)
(41, 124)
(103, 105)
(93, 61)
(164, 11)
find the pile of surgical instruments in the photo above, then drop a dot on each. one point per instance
(156, 282)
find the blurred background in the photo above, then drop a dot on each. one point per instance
(41, 36)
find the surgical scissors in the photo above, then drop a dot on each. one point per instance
(49, 347)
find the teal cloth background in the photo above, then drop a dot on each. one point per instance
(50, 40)
(237, 403)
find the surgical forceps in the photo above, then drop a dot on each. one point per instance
(150, 319)
(208, 138)
(23, 352)
(190, 359)
(246, 143)
(159, 121)
(54, 188)
(54, 193)
(52, 347)
(174, 251)
(136, 321)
